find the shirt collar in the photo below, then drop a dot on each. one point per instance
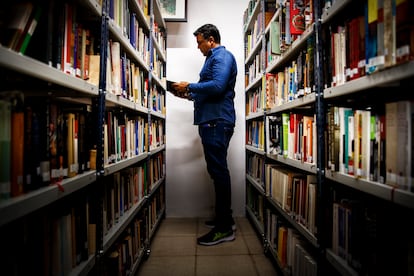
(212, 50)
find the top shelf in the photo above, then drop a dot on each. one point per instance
(34, 68)
(333, 10)
(292, 51)
(252, 16)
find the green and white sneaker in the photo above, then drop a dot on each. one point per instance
(214, 237)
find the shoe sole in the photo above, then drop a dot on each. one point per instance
(225, 239)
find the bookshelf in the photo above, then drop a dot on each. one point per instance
(83, 146)
(255, 153)
(281, 153)
(326, 91)
(376, 199)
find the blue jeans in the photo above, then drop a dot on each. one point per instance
(215, 137)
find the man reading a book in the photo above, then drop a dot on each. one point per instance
(214, 114)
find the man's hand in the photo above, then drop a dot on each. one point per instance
(181, 89)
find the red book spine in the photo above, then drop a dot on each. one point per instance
(17, 152)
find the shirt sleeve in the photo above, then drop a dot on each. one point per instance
(217, 72)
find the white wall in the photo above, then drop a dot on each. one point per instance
(189, 188)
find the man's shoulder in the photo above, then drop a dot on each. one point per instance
(221, 50)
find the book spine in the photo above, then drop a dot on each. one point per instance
(5, 146)
(53, 128)
(17, 150)
(70, 144)
(16, 23)
(67, 65)
(31, 29)
(44, 114)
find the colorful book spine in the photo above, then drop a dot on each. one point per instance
(17, 149)
(31, 28)
(5, 141)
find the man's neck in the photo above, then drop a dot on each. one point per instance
(215, 45)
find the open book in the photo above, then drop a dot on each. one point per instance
(170, 87)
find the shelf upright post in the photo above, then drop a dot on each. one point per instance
(102, 87)
(151, 68)
(149, 103)
(320, 126)
(265, 242)
(100, 137)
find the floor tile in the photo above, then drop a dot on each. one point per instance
(240, 265)
(175, 252)
(254, 244)
(173, 246)
(168, 266)
(264, 265)
(245, 226)
(178, 227)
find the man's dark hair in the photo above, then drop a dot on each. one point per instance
(208, 30)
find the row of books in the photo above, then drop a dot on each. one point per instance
(295, 18)
(156, 208)
(296, 79)
(379, 36)
(76, 44)
(255, 69)
(43, 142)
(123, 190)
(292, 135)
(255, 135)
(292, 20)
(125, 136)
(64, 43)
(157, 169)
(19, 25)
(373, 144)
(52, 242)
(255, 202)
(157, 134)
(348, 227)
(126, 78)
(60, 38)
(248, 11)
(160, 37)
(125, 18)
(129, 249)
(292, 251)
(295, 193)
(255, 101)
(252, 39)
(158, 67)
(255, 167)
(368, 235)
(157, 102)
(73, 239)
(126, 251)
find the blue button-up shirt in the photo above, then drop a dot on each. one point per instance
(214, 93)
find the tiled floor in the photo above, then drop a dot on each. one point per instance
(174, 252)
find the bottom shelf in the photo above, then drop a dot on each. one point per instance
(339, 264)
(257, 225)
(143, 254)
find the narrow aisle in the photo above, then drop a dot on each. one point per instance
(174, 252)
